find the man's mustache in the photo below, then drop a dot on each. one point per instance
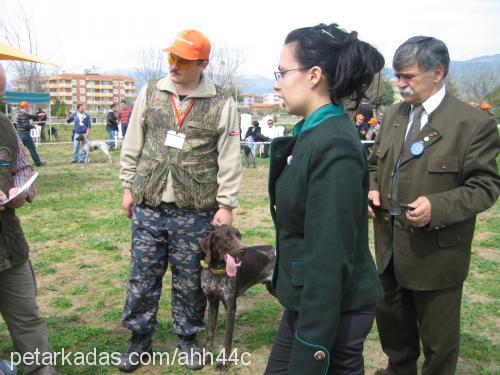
(407, 91)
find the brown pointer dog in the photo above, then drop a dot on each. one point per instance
(230, 268)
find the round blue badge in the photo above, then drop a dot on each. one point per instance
(417, 148)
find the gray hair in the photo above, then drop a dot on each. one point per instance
(429, 53)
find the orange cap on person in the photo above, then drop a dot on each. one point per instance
(373, 121)
(485, 106)
(360, 117)
(190, 45)
(24, 104)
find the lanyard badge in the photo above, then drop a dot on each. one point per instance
(174, 138)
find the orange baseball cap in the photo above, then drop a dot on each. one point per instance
(24, 104)
(190, 45)
(373, 121)
(485, 106)
(360, 117)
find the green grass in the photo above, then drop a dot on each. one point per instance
(80, 245)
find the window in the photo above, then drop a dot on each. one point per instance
(115, 100)
(122, 83)
(82, 98)
(122, 92)
(91, 99)
(90, 83)
(73, 90)
(115, 83)
(73, 81)
(106, 92)
(63, 90)
(82, 82)
(82, 90)
(74, 98)
(115, 91)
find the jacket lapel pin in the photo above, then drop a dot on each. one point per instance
(289, 159)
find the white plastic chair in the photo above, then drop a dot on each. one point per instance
(36, 134)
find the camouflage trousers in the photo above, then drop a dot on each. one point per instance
(161, 235)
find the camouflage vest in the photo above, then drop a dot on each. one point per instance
(194, 168)
(13, 246)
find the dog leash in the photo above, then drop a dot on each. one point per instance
(214, 271)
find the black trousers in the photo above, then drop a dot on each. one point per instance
(347, 352)
(404, 317)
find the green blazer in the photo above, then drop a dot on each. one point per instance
(318, 185)
(457, 172)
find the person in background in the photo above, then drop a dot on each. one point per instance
(18, 291)
(361, 126)
(24, 127)
(124, 117)
(433, 169)
(42, 119)
(254, 135)
(81, 131)
(112, 126)
(324, 275)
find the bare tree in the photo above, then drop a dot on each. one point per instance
(17, 29)
(150, 64)
(223, 69)
(478, 84)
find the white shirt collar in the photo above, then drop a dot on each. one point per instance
(434, 101)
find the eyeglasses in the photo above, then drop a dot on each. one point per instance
(407, 76)
(281, 73)
(181, 63)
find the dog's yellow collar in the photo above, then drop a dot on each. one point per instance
(214, 271)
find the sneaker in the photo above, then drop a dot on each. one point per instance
(82, 161)
(130, 358)
(74, 161)
(188, 345)
(42, 163)
(7, 367)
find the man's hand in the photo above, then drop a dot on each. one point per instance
(223, 216)
(15, 203)
(128, 202)
(420, 213)
(374, 199)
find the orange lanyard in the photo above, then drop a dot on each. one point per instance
(179, 113)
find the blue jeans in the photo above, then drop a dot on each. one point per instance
(124, 130)
(111, 139)
(76, 148)
(28, 143)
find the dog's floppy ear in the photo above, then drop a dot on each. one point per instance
(206, 247)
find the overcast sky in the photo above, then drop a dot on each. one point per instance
(109, 33)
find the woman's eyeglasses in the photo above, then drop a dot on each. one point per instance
(281, 73)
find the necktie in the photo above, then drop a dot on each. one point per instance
(410, 138)
(413, 132)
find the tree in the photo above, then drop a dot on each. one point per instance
(476, 85)
(18, 31)
(223, 70)
(380, 92)
(452, 87)
(59, 108)
(150, 64)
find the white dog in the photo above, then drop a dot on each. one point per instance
(89, 146)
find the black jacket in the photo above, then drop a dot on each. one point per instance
(111, 122)
(255, 133)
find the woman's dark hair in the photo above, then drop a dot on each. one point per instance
(255, 123)
(79, 105)
(348, 63)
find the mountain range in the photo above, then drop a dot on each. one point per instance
(260, 85)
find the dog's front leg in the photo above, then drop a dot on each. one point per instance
(213, 311)
(228, 339)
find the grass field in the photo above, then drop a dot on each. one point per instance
(80, 249)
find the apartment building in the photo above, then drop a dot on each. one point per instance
(97, 92)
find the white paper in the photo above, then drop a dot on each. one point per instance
(175, 139)
(22, 189)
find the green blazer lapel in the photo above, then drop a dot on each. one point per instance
(399, 130)
(428, 135)
(280, 149)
